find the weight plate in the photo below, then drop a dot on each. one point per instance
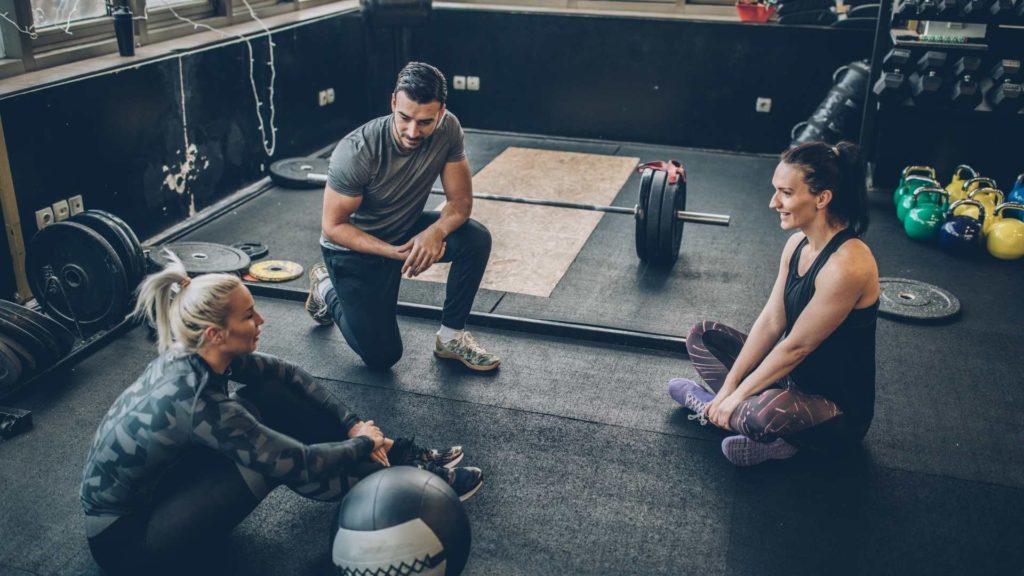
(254, 250)
(291, 172)
(118, 240)
(35, 350)
(913, 300)
(654, 203)
(668, 248)
(28, 362)
(275, 270)
(58, 344)
(203, 257)
(77, 276)
(641, 214)
(133, 241)
(677, 224)
(10, 367)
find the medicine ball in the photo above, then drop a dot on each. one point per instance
(401, 520)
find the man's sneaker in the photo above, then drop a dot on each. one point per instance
(465, 480)
(406, 452)
(466, 350)
(693, 396)
(315, 304)
(743, 451)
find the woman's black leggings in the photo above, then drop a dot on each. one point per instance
(781, 411)
(205, 495)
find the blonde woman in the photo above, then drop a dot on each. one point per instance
(185, 453)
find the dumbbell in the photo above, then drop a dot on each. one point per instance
(1005, 70)
(893, 85)
(1006, 97)
(975, 7)
(907, 9)
(927, 9)
(949, 8)
(1001, 7)
(926, 89)
(966, 66)
(966, 93)
(932, 60)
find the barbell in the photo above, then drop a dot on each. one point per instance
(660, 211)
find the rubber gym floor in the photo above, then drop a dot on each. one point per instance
(590, 467)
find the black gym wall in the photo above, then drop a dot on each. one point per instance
(115, 138)
(674, 82)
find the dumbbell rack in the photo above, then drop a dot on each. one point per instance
(1002, 38)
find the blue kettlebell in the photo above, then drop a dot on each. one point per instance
(961, 234)
(1017, 195)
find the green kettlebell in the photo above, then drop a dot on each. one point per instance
(926, 217)
(925, 171)
(1005, 238)
(914, 183)
(990, 198)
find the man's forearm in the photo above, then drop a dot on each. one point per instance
(453, 215)
(351, 237)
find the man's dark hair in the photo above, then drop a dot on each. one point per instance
(422, 83)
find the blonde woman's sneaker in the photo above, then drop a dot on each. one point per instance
(466, 350)
(315, 303)
(465, 480)
(743, 451)
(406, 451)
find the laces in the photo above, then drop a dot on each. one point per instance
(467, 340)
(699, 410)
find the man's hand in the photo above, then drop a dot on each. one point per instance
(422, 251)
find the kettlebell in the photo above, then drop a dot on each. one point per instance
(990, 197)
(962, 174)
(913, 184)
(1005, 238)
(925, 171)
(960, 234)
(926, 214)
(1017, 195)
(975, 183)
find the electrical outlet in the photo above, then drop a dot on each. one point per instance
(77, 204)
(44, 218)
(61, 210)
(458, 82)
(330, 95)
(322, 97)
(472, 83)
(763, 105)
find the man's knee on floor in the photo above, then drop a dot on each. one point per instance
(382, 359)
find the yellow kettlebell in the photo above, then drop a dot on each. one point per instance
(990, 197)
(974, 184)
(1005, 238)
(961, 175)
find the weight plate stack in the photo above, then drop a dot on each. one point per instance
(291, 172)
(203, 257)
(642, 250)
(77, 276)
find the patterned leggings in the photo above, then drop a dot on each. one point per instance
(781, 411)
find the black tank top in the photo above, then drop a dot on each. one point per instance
(842, 368)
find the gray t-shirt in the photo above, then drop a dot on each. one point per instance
(394, 184)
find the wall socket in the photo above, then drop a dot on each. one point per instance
(61, 210)
(76, 204)
(763, 105)
(325, 97)
(458, 82)
(44, 218)
(472, 83)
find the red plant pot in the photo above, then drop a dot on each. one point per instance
(754, 12)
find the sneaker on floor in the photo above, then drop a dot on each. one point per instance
(692, 395)
(466, 350)
(743, 451)
(406, 452)
(465, 480)
(315, 304)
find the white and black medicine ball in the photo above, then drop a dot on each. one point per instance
(401, 520)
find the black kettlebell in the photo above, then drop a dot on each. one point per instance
(961, 234)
